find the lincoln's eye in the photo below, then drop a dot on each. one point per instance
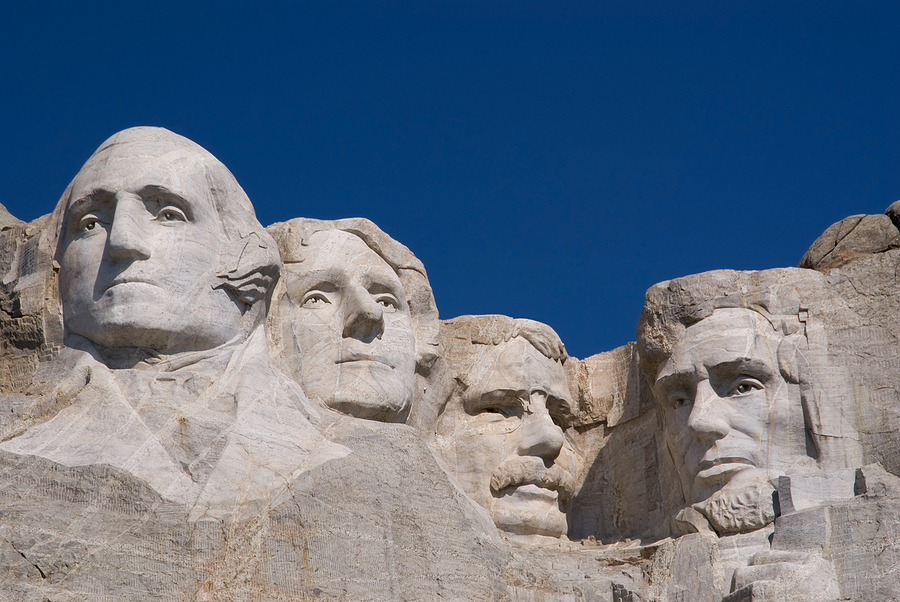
(744, 388)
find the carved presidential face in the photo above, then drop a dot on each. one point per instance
(719, 392)
(350, 323)
(505, 439)
(140, 247)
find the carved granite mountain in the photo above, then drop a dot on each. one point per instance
(194, 407)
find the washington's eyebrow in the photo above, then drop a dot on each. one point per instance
(87, 202)
(151, 191)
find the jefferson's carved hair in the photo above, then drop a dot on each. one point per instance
(293, 237)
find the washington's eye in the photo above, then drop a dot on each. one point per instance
(171, 214)
(315, 300)
(88, 223)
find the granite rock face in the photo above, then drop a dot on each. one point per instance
(194, 407)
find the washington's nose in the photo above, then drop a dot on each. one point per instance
(128, 237)
(706, 420)
(539, 435)
(363, 316)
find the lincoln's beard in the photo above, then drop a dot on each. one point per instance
(739, 508)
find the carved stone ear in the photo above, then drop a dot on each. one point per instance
(791, 356)
(252, 273)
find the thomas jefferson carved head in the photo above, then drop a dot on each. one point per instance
(356, 323)
(159, 247)
(503, 432)
(739, 369)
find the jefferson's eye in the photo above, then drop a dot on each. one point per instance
(171, 214)
(388, 302)
(315, 301)
(745, 385)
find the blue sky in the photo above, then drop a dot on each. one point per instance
(544, 160)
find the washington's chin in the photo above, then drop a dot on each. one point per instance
(529, 510)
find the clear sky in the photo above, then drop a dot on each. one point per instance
(546, 160)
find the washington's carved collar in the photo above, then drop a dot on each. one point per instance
(140, 358)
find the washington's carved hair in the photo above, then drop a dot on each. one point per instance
(249, 263)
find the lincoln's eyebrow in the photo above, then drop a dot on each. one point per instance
(672, 380)
(750, 366)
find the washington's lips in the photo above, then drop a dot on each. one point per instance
(129, 280)
(519, 471)
(364, 357)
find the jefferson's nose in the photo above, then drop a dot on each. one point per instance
(363, 316)
(128, 236)
(539, 435)
(706, 420)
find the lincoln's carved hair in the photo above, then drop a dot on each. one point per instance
(467, 337)
(802, 355)
(249, 263)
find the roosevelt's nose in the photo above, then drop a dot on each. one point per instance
(363, 316)
(539, 435)
(706, 420)
(128, 236)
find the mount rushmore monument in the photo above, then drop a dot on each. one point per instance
(197, 407)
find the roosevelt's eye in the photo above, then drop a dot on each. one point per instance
(497, 405)
(171, 214)
(680, 401)
(315, 301)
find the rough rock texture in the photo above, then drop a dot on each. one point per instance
(252, 414)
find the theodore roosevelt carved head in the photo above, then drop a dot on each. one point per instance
(159, 247)
(503, 431)
(355, 321)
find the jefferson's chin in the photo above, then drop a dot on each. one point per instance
(385, 408)
(529, 510)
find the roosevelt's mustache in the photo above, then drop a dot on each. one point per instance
(529, 470)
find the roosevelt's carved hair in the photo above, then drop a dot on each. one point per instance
(467, 337)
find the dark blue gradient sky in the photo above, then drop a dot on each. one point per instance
(544, 160)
